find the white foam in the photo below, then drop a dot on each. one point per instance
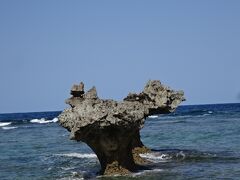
(71, 178)
(43, 120)
(55, 119)
(5, 124)
(153, 116)
(156, 157)
(67, 168)
(181, 154)
(78, 155)
(7, 128)
(146, 171)
(204, 115)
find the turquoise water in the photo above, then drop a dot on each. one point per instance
(195, 142)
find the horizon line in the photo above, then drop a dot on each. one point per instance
(63, 109)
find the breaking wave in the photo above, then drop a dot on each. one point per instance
(158, 156)
(153, 116)
(143, 172)
(8, 128)
(43, 120)
(79, 155)
(5, 124)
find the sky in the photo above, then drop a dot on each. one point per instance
(47, 46)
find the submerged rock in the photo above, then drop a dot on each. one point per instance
(112, 128)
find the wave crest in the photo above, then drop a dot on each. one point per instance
(78, 155)
(179, 155)
(43, 121)
(5, 124)
(8, 128)
(153, 116)
(156, 157)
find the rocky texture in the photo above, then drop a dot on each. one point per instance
(112, 128)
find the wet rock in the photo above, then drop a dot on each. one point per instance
(112, 128)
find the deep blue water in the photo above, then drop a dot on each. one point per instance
(195, 142)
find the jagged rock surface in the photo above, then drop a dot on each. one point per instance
(112, 128)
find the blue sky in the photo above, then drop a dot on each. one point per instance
(46, 46)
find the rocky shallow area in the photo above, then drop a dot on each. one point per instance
(112, 129)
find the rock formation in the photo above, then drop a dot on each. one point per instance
(112, 128)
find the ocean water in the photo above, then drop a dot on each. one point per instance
(194, 142)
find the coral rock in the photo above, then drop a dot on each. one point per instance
(112, 128)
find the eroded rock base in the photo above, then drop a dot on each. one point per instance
(114, 168)
(136, 155)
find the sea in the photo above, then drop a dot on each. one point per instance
(194, 142)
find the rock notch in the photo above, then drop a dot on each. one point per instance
(111, 128)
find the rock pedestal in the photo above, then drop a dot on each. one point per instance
(112, 128)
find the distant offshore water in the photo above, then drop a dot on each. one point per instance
(195, 142)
